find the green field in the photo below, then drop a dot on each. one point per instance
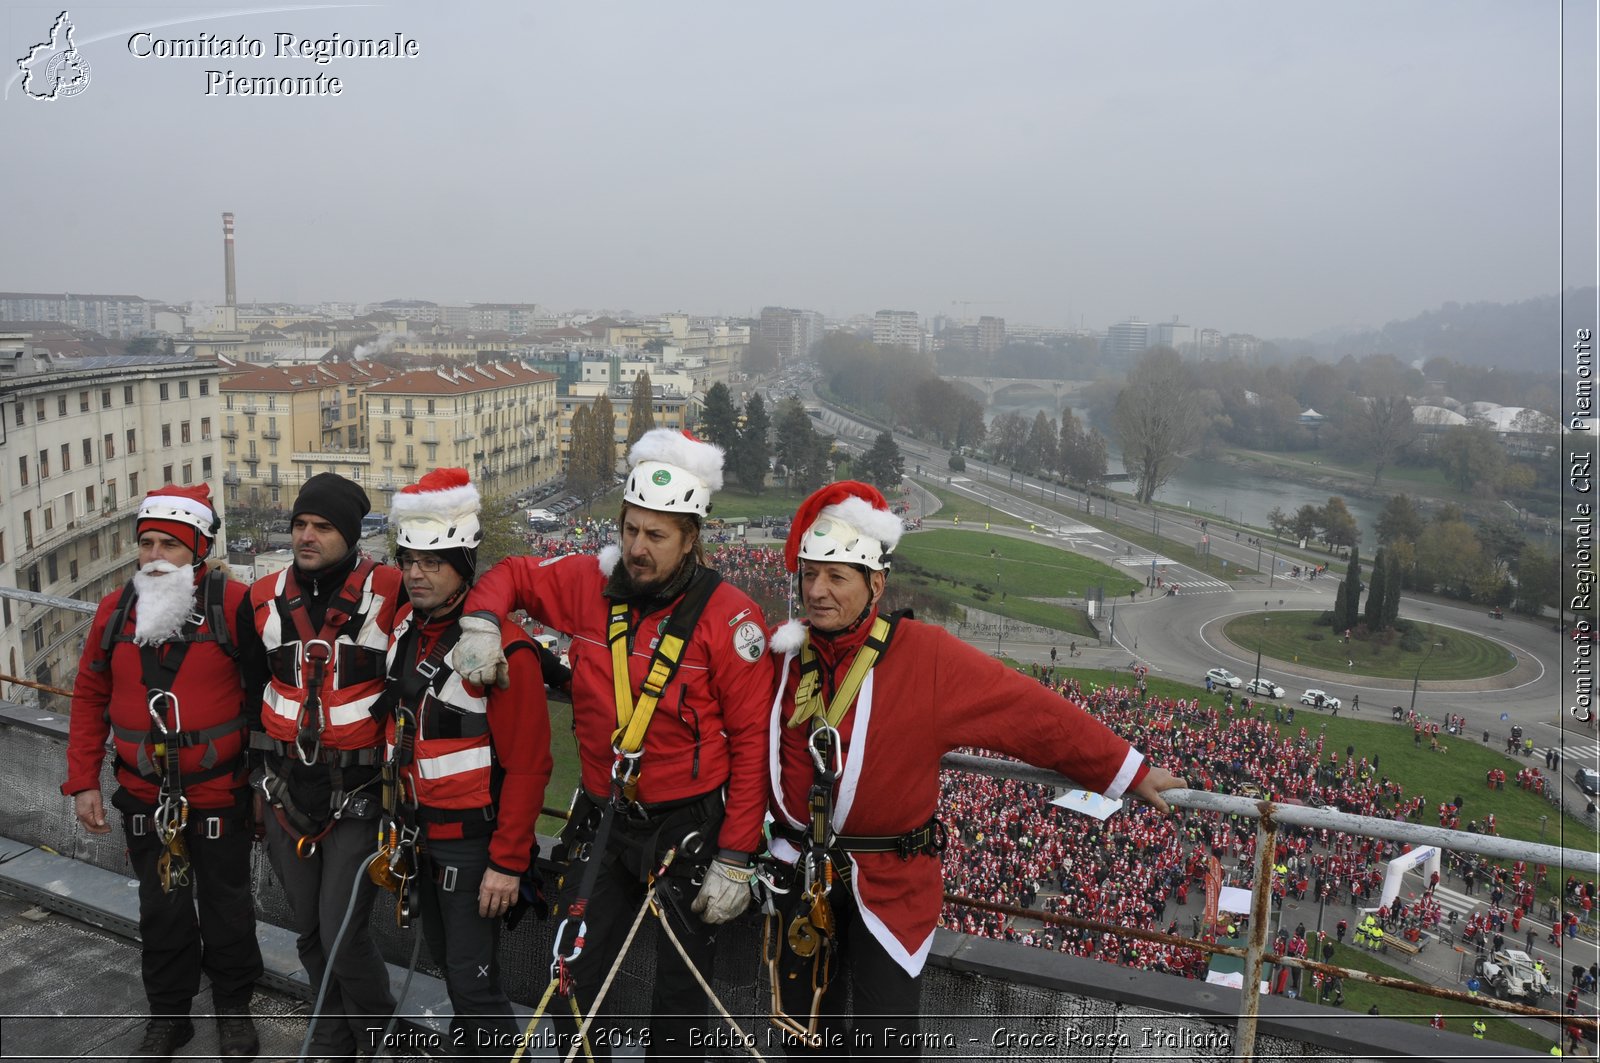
(963, 510)
(1295, 637)
(1005, 576)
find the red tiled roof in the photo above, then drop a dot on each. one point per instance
(460, 380)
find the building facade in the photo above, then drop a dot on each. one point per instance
(82, 444)
(899, 328)
(118, 316)
(791, 333)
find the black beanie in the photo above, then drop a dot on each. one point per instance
(336, 500)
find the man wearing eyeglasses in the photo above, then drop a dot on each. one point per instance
(325, 622)
(471, 763)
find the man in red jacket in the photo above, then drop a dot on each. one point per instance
(166, 672)
(866, 706)
(472, 763)
(688, 776)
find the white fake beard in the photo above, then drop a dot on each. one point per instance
(166, 598)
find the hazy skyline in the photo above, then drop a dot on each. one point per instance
(1246, 166)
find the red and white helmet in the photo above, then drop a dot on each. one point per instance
(673, 472)
(181, 512)
(848, 522)
(438, 512)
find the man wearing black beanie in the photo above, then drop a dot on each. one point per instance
(326, 622)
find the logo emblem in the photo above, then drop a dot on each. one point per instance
(54, 69)
(749, 641)
(660, 477)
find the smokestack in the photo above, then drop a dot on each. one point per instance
(227, 254)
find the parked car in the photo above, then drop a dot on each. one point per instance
(1263, 685)
(1224, 678)
(1588, 780)
(242, 546)
(1321, 699)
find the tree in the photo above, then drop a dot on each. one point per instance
(1039, 450)
(818, 467)
(1400, 520)
(605, 443)
(1391, 583)
(1156, 423)
(793, 434)
(1376, 591)
(753, 453)
(1341, 604)
(641, 411)
(882, 466)
(1449, 558)
(581, 462)
(501, 520)
(1352, 576)
(1307, 519)
(1338, 526)
(1007, 438)
(1279, 521)
(1471, 457)
(1386, 427)
(1538, 580)
(719, 421)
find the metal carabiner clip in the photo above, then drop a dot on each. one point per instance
(819, 757)
(167, 697)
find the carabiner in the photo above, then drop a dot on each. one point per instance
(150, 704)
(819, 757)
(305, 847)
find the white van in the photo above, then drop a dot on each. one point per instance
(543, 520)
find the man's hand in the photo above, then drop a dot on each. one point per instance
(478, 657)
(497, 893)
(91, 811)
(1154, 782)
(725, 893)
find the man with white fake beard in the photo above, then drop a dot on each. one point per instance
(170, 663)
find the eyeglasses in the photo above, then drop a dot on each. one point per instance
(427, 564)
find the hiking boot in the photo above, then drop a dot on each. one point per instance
(163, 1035)
(236, 1034)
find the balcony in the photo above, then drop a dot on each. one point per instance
(408, 415)
(407, 463)
(272, 434)
(430, 440)
(230, 433)
(384, 436)
(231, 478)
(462, 437)
(490, 429)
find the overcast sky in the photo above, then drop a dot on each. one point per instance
(1255, 167)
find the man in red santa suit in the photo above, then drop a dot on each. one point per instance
(866, 706)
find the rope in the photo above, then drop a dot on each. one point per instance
(605, 987)
(745, 1039)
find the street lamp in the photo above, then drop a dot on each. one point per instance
(1418, 677)
(1000, 625)
(1260, 638)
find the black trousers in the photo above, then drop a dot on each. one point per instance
(465, 945)
(207, 925)
(678, 1026)
(885, 997)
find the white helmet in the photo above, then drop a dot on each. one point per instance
(438, 512)
(673, 472)
(848, 522)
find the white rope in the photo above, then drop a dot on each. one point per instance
(611, 976)
(745, 1039)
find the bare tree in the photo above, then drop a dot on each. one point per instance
(1387, 428)
(1156, 420)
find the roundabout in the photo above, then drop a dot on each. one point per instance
(1296, 638)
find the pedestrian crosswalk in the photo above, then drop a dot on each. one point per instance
(1188, 582)
(1586, 753)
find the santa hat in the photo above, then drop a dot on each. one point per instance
(185, 513)
(847, 521)
(674, 472)
(439, 514)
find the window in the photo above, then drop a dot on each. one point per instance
(61, 405)
(411, 428)
(72, 570)
(22, 469)
(205, 429)
(27, 530)
(38, 409)
(94, 547)
(227, 402)
(166, 436)
(164, 395)
(205, 387)
(385, 406)
(51, 572)
(183, 431)
(272, 471)
(66, 457)
(205, 467)
(133, 485)
(110, 446)
(88, 452)
(166, 474)
(111, 499)
(49, 517)
(105, 397)
(249, 422)
(88, 499)
(430, 405)
(188, 472)
(83, 402)
(183, 389)
(44, 465)
(127, 396)
(22, 418)
(3, 561)
(116, 541)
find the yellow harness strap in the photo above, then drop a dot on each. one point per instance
(808, 692)
(633, 718)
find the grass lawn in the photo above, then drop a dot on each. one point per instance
(961, 567)
(1409, 479)
(564, 778)
(957, 507)
(1295, 636)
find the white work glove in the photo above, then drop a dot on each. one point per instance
(478, 657)
(725, 893)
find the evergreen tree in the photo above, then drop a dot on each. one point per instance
(719, 421)
(1339, 607)
(753, 451)
(883, 466)
(793, 437)
(1376, 591)
(641, 411)
(604, 444)
(817, 469)
(580, 462)
(1391, 597)
(1352, 604)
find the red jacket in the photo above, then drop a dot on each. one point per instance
(210, 695)
(457, 772)
(709, 729)
(939, 694)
